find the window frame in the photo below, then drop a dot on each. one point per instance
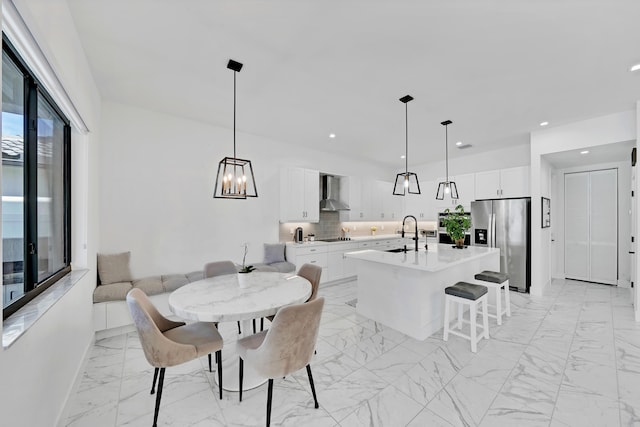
(33, 88)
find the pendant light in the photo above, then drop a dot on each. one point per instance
(406, 182)
(235, 179)
(447, 187)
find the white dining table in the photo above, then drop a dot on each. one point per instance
(224, 299)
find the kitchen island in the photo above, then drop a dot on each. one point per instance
(405, 291)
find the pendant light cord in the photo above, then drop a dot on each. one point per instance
(234, 115)
(446, 150)
(406, 140)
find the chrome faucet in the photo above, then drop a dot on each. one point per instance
(415, 221)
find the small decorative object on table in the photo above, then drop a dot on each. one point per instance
(245, 269)
(373, 230)
(457, 223)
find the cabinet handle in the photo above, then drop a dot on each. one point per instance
(497, 192)
(313, 262)
(312, 250)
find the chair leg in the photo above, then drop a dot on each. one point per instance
(219, 367)
(269, 395)
(313, 389)
(507, 298)
(240, 373)
(499, 305)
(239, 331)
(460, 311)
(209, 357)
(155, 378)
(261, 324)
(158, 397)
(485, 318)
(473, 315)
(446, 319)
(254, 326)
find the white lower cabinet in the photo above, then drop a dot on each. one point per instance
(339, 266)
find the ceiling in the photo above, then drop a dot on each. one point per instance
(608, 153)
(495, 68)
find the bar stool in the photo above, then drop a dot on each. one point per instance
(496, 281)
(464, 293)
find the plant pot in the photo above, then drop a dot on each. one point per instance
(460, 243)
(243, 281)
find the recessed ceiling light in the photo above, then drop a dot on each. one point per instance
(584, 152)
(635, 67)
(332, 135)
(459, 143)
(403, 156)
(544, 123)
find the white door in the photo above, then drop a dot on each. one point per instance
(604, 226)
(576, 226)
(591, 226)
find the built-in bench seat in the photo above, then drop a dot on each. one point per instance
(110, 310)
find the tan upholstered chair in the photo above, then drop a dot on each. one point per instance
(312, 273)
(220, 268)
(167, 343)
(285, 347)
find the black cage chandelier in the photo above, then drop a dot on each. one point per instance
(235, 179)
(447, 187)
(406, 182)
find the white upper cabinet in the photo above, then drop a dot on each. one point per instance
(503, 183)
(299, 195)
(465, 184)
(351, 190)
(421, 205)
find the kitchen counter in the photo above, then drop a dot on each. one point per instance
(406, 290)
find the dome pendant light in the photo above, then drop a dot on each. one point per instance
(406, 182)
(447, 187)
(235, 179)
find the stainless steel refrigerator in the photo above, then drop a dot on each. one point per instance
(506, 224)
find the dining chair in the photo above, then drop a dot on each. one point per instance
(220, 268)
(310, 272)
(287, 346)
(167, 343)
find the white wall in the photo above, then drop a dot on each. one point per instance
(517, 155)
(39, 370)
(156, 186)
(609, 129)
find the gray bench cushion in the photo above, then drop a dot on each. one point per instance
(112, 292)
(492, 276)
(171, 282)
(466, 290)
(149, 285)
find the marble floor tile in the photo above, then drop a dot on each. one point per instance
(568, 359)
(463, 402)
(387, 408)
(579, 409)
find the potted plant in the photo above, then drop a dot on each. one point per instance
(457, 223)
(245, 269)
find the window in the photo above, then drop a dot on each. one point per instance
(36, 140)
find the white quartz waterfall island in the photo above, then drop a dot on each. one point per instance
(406, 290)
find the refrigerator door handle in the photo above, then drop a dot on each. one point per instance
(492, 225)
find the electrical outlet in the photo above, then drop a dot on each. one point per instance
(291, 231)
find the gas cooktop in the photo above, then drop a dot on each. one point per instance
(336, 239)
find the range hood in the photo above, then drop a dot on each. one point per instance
(331, 195)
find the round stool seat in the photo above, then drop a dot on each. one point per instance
(466, 290)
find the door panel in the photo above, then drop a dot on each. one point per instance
(576, 225)
(604, 226)
(511, 238)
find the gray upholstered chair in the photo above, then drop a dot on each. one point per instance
(312, 273)
(167, 343)
(285, 347)
(220, 268)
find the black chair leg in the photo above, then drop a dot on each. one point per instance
(240, 373)
(209, 357)
(239, 331)
(254, 326)
(158, 397)
(155, 378)
(261, 324)
(269, 394)
(219, 367)
(313, 388)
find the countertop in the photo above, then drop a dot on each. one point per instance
(438, 257)
(357, 239)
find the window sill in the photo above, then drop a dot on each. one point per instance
(20, 322)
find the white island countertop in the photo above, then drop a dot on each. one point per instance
(438, 257)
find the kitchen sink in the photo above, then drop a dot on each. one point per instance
(396, 250)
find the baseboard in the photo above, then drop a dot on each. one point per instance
(107, 333)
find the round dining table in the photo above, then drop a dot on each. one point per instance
(227, 299)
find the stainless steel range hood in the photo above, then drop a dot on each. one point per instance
(331, 195)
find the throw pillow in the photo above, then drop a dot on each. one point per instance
(273, 252)
(114, 268)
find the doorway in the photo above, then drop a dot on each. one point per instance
(591, 226)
